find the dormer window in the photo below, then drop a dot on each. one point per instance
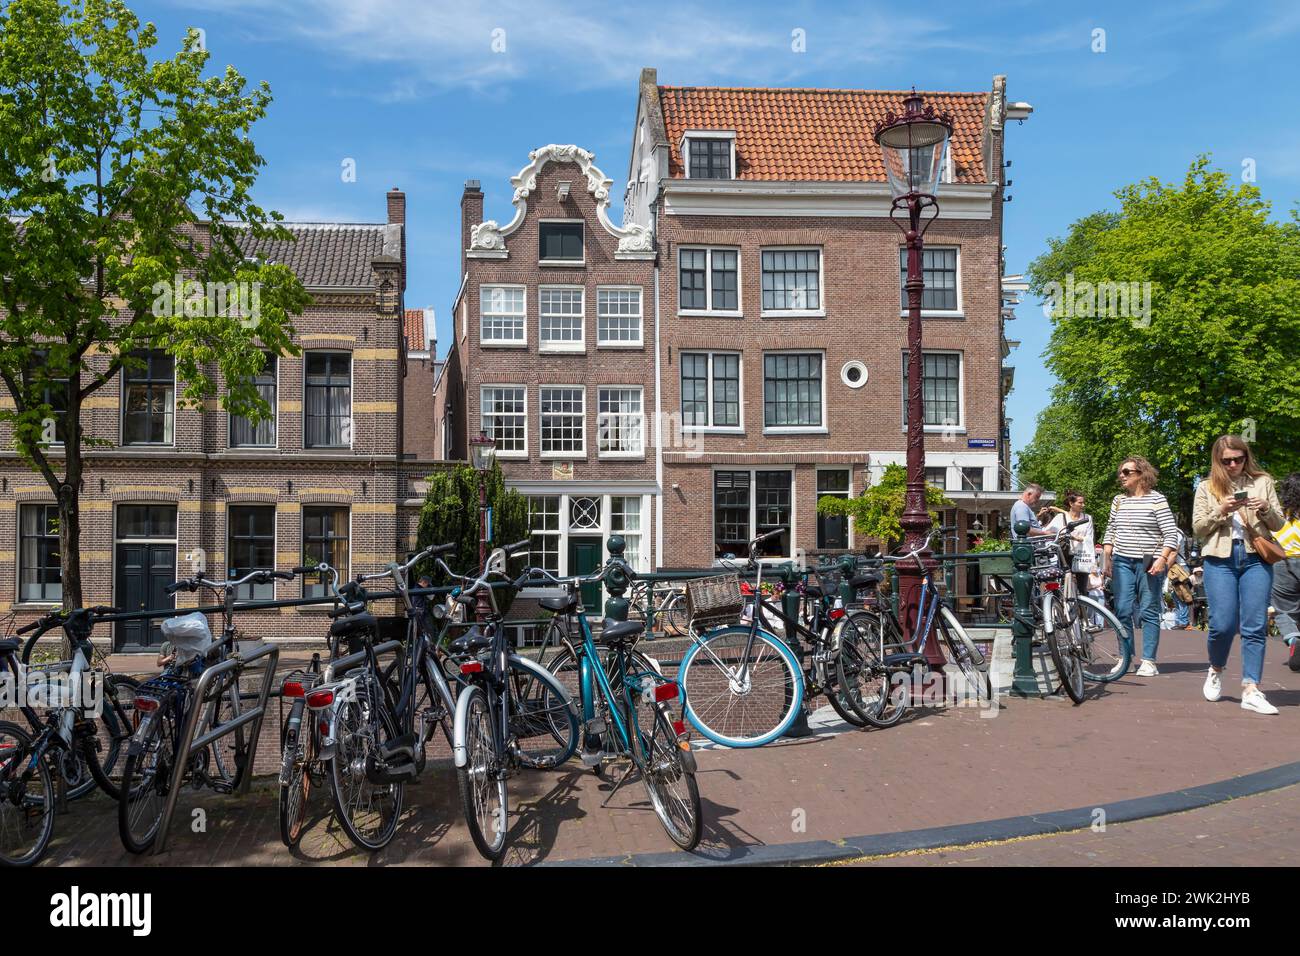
(709, 154)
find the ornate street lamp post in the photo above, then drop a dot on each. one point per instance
(914, 147)
(482, 451)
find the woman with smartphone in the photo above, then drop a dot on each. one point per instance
(1141, 539)
(1235, 504)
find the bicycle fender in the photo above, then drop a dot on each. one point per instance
(459, 751)
(1048, 622)
(142, 733)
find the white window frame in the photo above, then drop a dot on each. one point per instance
(957, 313)
(753, 506)
(541, 448)
(621, 343)
(960, 427)
(230, 419)
(685, 148)
(821, 429)
(739, 311)
(818, 469)
(640, 453)
(520, 343)
(570, 263)
(737, 429)
(18, 555)
(817, 313)
(482, 425)
(548, 345)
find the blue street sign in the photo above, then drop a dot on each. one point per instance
(489, 524)
(981, 443)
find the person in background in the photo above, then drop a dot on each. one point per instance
(1141, 539)
(1234, 505)
(1083, 560)
(1286, 574)
(1182, 609)
(1023, 510)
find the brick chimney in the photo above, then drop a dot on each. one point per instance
(397, 216)
(471, 214)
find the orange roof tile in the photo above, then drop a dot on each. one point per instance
(413, 329)
(811, 134)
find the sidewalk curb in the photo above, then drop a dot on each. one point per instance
(1058, 821)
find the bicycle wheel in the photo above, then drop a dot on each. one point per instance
(564, 668)
(837, 697)
(738, 701)
(674, 616)
(116, 724)
(146, 781)
(542, 718)
(482, 783)
(1060, 641)
(963, 652)
(367, 810)
(26, 806)
(225, 760)
(668, 774)
(863, 681)
(299, 754)
(1106, 652)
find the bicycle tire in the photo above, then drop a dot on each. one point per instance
(541, 707)
(564, 668)
(863, 681)
(674, 615)
(1101, 665)
(669, 782)
(118, 718)
(963, 652)
(146, 780)
(475, 779)
(354, 730)
(299, 746)
(1057, 629)
(834, 695)
(21, 844)
(772, 667)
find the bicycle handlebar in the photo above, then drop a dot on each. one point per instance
(261, 576)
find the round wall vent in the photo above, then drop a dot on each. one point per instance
(854, 374)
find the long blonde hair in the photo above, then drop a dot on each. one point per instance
(1220, 482)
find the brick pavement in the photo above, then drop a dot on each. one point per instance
(1138, 737)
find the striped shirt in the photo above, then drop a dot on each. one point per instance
(1139, 526)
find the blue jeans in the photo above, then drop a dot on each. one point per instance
(1181, 612)
(1136, 590)
(1237, 589)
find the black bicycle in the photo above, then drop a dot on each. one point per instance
(73, 746)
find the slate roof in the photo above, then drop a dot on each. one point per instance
(813, 134)
(326, 254)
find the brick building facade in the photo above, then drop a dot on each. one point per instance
(326, 479)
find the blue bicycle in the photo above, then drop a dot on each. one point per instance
(624, 706)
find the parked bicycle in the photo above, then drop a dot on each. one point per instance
(164, 704)
(72, 743)
(624, 703)
(872, 671)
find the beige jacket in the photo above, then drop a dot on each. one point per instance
(1214, 529)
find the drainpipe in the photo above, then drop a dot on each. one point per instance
(659, 436)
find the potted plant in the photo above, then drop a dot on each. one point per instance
(1001, 564)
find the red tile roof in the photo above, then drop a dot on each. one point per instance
(814, 135)
(413, 328)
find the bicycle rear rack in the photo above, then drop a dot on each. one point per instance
(189, 747)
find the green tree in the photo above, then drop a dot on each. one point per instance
(120, 176)
(876, 512)
(450, 514)
(1217, 350)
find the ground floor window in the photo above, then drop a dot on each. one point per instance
(251, 547)
(557, 521)
(324, 541)
(832, 530)
(544, 524)
(747, 504)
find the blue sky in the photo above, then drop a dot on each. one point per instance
(416, 94)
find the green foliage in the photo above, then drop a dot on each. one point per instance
(118, 174)
(450, 515)
(1219, 352)
(990, 544)
(876, 512)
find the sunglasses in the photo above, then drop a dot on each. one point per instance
(1233, 461)
(1125, 472)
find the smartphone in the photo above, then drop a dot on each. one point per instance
(1240, 495)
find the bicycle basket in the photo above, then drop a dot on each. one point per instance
(714, 599)
(829, 580)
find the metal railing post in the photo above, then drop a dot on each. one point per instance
(616, 580)
(1024, 682)
(790, 607)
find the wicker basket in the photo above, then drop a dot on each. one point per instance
(714, 599)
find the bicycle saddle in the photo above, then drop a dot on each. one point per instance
(469, 642)
(865, 579)
(618, 632)
(812, 590)
(8, 646)
(561, 604)
(353, 624)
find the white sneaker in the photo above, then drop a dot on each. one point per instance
(1213, 685)
(1255, 700)
(1148, 669)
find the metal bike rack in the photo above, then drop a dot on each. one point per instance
(189, 747)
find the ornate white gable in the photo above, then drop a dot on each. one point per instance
(634, 241)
